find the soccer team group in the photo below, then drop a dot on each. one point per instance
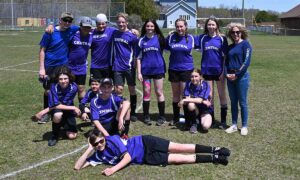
(116, 55)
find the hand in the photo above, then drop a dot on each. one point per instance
(77, 111)
(42, 74)
(121, 126)
(207, 103)
(171, 32)
(136, 32)
(140, 77)
(85, 117)
(108, 171)
(180, 104)
(231, 77)
(49, 29)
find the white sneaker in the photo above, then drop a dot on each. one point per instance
(231, 129)
(244, 131)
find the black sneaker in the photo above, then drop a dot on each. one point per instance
(219, 159)
(147, 120)
(173, 123)
(221, 151)
(160, 121)
(133, 118)
(46, 118)
(52, 141)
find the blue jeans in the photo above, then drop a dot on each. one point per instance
(238, 91)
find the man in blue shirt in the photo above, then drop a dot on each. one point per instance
(145, 149)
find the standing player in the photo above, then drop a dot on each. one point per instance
(54, 53)
(124, 42)
(151, 65)
(181, 63)
(110, 113)
(214, 49)
(78, 52)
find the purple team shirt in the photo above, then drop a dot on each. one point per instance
(105, 111)
(214, 50)
(78, 52)
(101, 48)
(59, 95)
(115, 148)
(123, 50)
(180, 47)
(150, 54)
(200, 91)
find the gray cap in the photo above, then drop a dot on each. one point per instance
(67, 15)
(106, 81)
(86, 22)
(101, 18)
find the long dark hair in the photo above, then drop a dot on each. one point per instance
(212, 18)
(186, 33)
(158, 32)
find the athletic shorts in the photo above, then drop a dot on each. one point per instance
(211, 77)
(100, 73)
(111, 127)
(68, 120)
(156, 76)
(203, 109)
(156, 150)
(120, 76)
(80, 79)
(50, 72)
(179, 76)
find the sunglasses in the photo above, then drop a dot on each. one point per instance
(101, 141)
(67, 20)
(235, 32)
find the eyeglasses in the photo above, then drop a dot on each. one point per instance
(235, 32)
(67, 20)
(101, 141)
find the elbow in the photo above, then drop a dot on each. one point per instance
(76, 168)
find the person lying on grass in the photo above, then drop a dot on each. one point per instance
(145, 149)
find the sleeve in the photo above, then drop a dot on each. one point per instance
(69, 98)
(247, 52)
(204, 94)
(45, 41)
(94, 110)
(167, 44)
(186, 91)
(120, 148)
(224, 47)
(74, 29)
(138, 50)
(196, 42)
(95, 159)
(118, 100)
(135, 41)
(53, 97)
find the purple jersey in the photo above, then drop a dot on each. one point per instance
(180, 47)
(214, 50)
(123, 50)
(105, 110)
(65, 96)
(200, 91)
(57, 46)
(101, 48)
(115, 148)
(150, 54)
(78, 52)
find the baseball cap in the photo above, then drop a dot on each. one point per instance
(101, 18)
(67, 15)
(106, 81)
(86, 22)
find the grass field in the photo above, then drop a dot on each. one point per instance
(270, 151)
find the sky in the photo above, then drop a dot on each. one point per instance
(273, 5)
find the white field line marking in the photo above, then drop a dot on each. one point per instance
(42, 163)
(21, 70)
(19, 64)
(17, 46)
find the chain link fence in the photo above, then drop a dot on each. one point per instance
(37, 15)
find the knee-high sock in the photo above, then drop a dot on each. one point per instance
(204, 158)
(223, 114)
(133, 99)
(176, 111)
(161, 108)
(45, 101)
(126, 130)
(146, 106)
(55, 129)
(203, 149)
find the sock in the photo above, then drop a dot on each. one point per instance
(186, 116)
(193, 117)
(161, 108)
(133, 99)
(146, 105)
(203, 149)
(213, 114)
(55, 129)
(45, 101)
(204, 158)
(126, 130)
(176, 112)
(223, 113)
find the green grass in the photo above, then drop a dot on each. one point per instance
(270, 151)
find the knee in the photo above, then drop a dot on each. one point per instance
(132, 90)
(206, 121)
(71, 135)
(191, 106)
(57, 117)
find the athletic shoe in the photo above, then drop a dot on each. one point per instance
(244, 131)
(52, 141)
(193, 129)
(147, 120)
(160, 121)
(173, 123)
(221, 151)
(133, 118)
(46, 118)
(231, 129)
(219, 159)
(223, 126)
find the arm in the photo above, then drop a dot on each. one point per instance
(100, 128)
(247, 51)
(188, 99)
(140, 76)
(65, 107)
(123, 110)
(42, 71)
(41, 113)
(125, 161)
(81, 162)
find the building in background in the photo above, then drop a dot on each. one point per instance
(291, 21)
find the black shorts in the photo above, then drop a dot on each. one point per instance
(203, 109)
(211, 77)
(80, 79)
(179, 76)
(50, 72)
(68, 120)
(100, 73)
(111, 127)
(156, 150)
(120, 76)
(156, 76)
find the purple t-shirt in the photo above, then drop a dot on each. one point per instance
(200, 91)
(180, 47)
(105, 110)
(101, 48)
(59, 95)
(115, 148)
(78, 52)
(214, 50)
(123, 50)
(89, 95)
(57, 46)
(150, 54)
